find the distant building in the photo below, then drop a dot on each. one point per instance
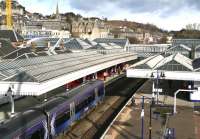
(126, 33)
(32, 25)
(169, 39)
(90, 29)
(97, 31)
(148, 38)
(57, 12)
(18, 12)
(54, 22)
(49, 24)
(17, 9)
(29, 34)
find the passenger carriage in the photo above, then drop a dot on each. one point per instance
(56, 115)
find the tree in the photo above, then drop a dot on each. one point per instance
(193, 26)
(133, 40)
(187, 34)
(163, 40)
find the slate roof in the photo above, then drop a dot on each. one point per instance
(44, 68)
(173, 62)
(9, 34)
(77, 44)
(5, 47)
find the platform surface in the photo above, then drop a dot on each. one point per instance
(128, 123)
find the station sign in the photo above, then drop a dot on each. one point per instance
(159, 90)
(195, 96)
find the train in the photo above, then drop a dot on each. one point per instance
(51, 118)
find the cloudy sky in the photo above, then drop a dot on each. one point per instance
(166, 14)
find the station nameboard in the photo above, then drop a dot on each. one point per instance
(195, 96)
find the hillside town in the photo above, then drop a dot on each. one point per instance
(72, 25)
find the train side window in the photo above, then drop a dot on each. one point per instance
(86, 101)
(78, 107)
(91, 98)
(81, 105)
(67, 114)
(62, 118)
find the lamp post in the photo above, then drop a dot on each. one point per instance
(156, 89)
(150, 117)
(176, 93)
(142, 116)
(9, 93)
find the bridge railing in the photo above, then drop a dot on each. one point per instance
(148, 50)
(110, 51)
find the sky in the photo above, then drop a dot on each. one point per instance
(166, 14)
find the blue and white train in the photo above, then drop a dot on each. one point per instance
(53, 117)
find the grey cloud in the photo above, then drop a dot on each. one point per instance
(90, 5)
(165, 7)
(142, 5)
(193, 3)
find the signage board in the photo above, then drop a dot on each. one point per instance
(195, 96)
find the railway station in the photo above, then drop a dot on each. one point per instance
(66, 76)
(34, 78)
(53, 74)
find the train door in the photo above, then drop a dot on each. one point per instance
(96, 94)
(72, 111)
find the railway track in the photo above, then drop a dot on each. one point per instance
(96, 122)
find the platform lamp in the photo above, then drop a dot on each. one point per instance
(162, 74)
(9, 94)
(152, 77)
(150, 112)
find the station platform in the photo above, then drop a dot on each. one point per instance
(128, 123)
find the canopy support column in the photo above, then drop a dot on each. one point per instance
(9, 93)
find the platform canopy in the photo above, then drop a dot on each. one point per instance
(38, 75)
(167, 66)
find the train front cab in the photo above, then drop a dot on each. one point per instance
(29, 125)
(60, 114)
(35, 130)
